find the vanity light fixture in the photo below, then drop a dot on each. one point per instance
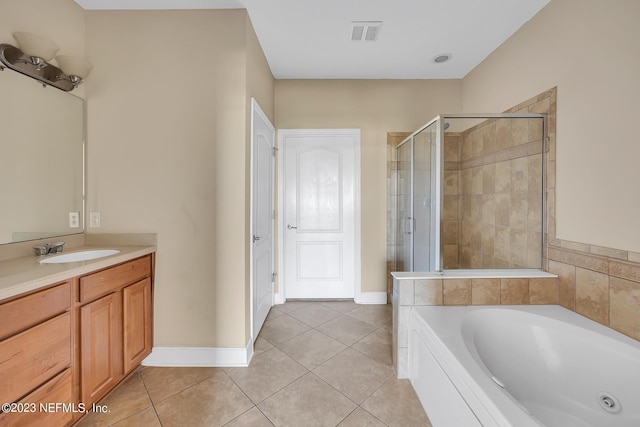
(77, 69)
(32, 59)
(39, 49)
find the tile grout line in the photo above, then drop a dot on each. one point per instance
(149, 396)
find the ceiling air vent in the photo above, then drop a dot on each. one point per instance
(365, 31)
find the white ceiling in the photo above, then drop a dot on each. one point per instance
(311, 39)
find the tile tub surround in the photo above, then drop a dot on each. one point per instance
(599, 283)
(463, 287)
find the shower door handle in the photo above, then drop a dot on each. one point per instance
(409, 225)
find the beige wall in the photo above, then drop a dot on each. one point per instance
(168, 153)
(589, 50)
(375, 107)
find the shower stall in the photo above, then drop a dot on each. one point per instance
(469, 193)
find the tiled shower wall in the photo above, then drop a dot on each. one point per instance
(499, 188)
(598, 282)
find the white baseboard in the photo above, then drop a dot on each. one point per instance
(371, 298)
(200, 356)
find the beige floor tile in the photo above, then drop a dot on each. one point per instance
(346, 329)
(162, 383)
(282, 329)
(129, 398)
(268, 372)
(354, 374)
(146, 418)
(361, 418)
(273, 313)
(210, 403)
(252, 418)
(307, 402)
(377, 346)
(378, 315)
(261, 345)
(396, 404)
(314, 315)
(341, 306)
(312, 348)
(290, 306)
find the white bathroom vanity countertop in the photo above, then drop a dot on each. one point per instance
(506, 273)
(26, 274)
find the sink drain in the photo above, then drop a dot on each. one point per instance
(609, 403)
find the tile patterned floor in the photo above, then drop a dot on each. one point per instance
(315, 364)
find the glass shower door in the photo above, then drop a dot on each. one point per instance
(419, 174)
(404, 243)
(422, 201)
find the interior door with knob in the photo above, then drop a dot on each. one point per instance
(262, 216)
(320, 200)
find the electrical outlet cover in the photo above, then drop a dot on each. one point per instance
(94, 219)
(74, 219)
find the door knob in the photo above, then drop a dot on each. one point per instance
(256, 238)
(291, 227)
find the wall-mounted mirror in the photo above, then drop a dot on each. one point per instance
(41, 160)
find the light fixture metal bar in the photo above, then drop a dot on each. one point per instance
(51, 75)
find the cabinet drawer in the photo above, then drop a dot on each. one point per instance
(112, 278)
(28, 311)
(34, 356)
(57, 390)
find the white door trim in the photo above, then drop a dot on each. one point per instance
(284, 133)
(257, 111)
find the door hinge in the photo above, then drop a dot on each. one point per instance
(273, 277)
(273, 214)
(274, 150)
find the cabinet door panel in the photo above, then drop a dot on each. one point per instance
(100, 337)
(137, 323)
(34, 356)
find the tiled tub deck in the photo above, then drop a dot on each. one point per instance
(463, 287)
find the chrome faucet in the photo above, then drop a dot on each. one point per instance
(49, 248)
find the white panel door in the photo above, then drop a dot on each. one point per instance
(262, 220)
(320, 214)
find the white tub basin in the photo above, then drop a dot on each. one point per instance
(79, 256)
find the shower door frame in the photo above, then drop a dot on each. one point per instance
(437, 177)
(437, 256)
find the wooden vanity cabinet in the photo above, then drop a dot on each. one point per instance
(115, 325)
(72, 342)
(36, 359)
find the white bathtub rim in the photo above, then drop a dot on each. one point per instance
(472, 379)
(490, 404)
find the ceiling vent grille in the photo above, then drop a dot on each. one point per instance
(365, 31)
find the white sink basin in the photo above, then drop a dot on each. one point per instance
(79, 256)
